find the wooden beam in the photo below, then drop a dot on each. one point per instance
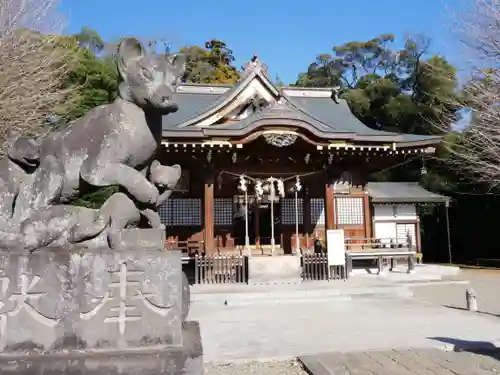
(306, 223)
(208, 215)
(367, 216)
(329, 204)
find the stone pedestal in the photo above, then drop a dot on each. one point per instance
(96, 312)
(282, 269)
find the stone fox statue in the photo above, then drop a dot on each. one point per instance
(21, 160)
(114, 144)
(60, 225)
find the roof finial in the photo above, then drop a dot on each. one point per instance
(254, 59)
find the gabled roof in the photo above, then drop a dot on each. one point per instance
(316, 110)
(207, 104)
(322, 117)
(402, 192)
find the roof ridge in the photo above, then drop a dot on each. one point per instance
(253, 70)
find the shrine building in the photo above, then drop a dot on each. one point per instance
(256, 136)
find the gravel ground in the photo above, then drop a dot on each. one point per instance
(486, 284)
(256, 368)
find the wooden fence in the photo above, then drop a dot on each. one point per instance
(315, 267)
(221, 269)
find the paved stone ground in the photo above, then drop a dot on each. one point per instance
(403, 362)
(284, 328)
(486, 283)
(291, 367)
(289, 329)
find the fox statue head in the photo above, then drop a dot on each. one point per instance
(24, 151)
(148, 80)
(165, 176)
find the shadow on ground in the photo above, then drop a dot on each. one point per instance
(475, 347)
(476, 312)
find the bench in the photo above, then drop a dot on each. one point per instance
(384, 251)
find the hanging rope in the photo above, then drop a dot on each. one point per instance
(254, 179)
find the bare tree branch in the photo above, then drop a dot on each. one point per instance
(33, 65)
(475, 150)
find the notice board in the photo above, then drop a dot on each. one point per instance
(335, 247)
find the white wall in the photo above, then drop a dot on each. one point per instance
(394, 212)
(384, 231)
(386, 217)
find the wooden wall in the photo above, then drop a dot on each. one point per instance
(213, 182)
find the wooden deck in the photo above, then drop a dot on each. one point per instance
(403, 362)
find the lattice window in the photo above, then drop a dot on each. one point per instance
(350, 211)
(165, 212)
(288, 211)
(317, 211)
(223, 211)
(186, 211)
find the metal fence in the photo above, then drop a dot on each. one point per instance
(221, 269)
(315, 267)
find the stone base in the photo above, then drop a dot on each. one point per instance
(185, 360)
(281, 269)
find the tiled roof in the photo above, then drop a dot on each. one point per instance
(402, 192)
(314, 109)
(190, 105)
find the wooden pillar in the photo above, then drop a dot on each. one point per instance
(367, 216)
(417, 236)
(256, 223)
(208, 214)
(306, 219)
(329, 204)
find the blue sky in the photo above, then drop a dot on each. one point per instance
(285, 34)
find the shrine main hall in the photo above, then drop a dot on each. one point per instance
(273, 168)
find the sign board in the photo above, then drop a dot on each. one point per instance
(335, 247)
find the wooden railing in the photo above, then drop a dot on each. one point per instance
(355, 244)
(383, 251)
(190, 248)
(221, 269)
(315, 267)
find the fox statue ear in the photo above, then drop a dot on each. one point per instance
(128, 49)
(155, 164)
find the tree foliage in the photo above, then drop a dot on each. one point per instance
(90, 39)
(388, 89)
(212, 63)
(95, 77)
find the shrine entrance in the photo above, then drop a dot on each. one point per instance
(264, 229)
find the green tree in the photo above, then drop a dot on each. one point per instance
(95, 77)
(394, 90)
(211, 64)
(90, 39)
